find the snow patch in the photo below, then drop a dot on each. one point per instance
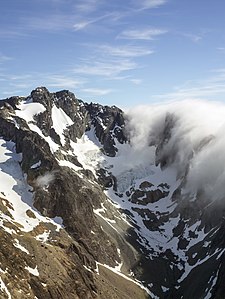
(4, 288)
(27, 110)
(109, 221)
(69, 164)
(88, 153)
(52, 145)
(60, 122)
(33, 271)
(36, 165)
(43, 237)
(18, 245)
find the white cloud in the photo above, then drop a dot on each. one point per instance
(12, 33)
(58, 22)
(222, 49)
(149, 4)
(96, 91)
(136, 81)
(80, 26)
(57, 15)
(105, 69)
(21, 84)
(10, 93)
(210, 88)
(85, 23)
(125, 51)
(191, 138)
(18, 81)
(4, 58)
(141, 34)
(49, 23)
(193, 37)
(64, 81)
(87, 6)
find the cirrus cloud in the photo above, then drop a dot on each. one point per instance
(96, 91)
(105, 68)
(125, 51)
(149, 4)
(141, 34)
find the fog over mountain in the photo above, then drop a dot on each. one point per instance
(194, 140)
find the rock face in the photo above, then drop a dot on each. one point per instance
(72, 219)
(38, 133)
(109, 124)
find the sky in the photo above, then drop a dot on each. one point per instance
(117, 52)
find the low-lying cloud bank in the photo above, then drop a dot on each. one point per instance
(190, 135)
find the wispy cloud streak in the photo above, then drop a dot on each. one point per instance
(87, 6)
(141, 34)
(105, 69)
(4, 58)
(96, 91)
(87, 22)
(149, 4)
(124, 51)
(209, 88)
(17, 83)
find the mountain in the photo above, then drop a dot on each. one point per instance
(98, 203)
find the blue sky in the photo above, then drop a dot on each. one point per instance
(115, 52)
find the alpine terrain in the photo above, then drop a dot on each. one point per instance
(99, 203)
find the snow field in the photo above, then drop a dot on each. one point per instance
(16, 191)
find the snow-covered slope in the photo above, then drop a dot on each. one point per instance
(16, 193)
